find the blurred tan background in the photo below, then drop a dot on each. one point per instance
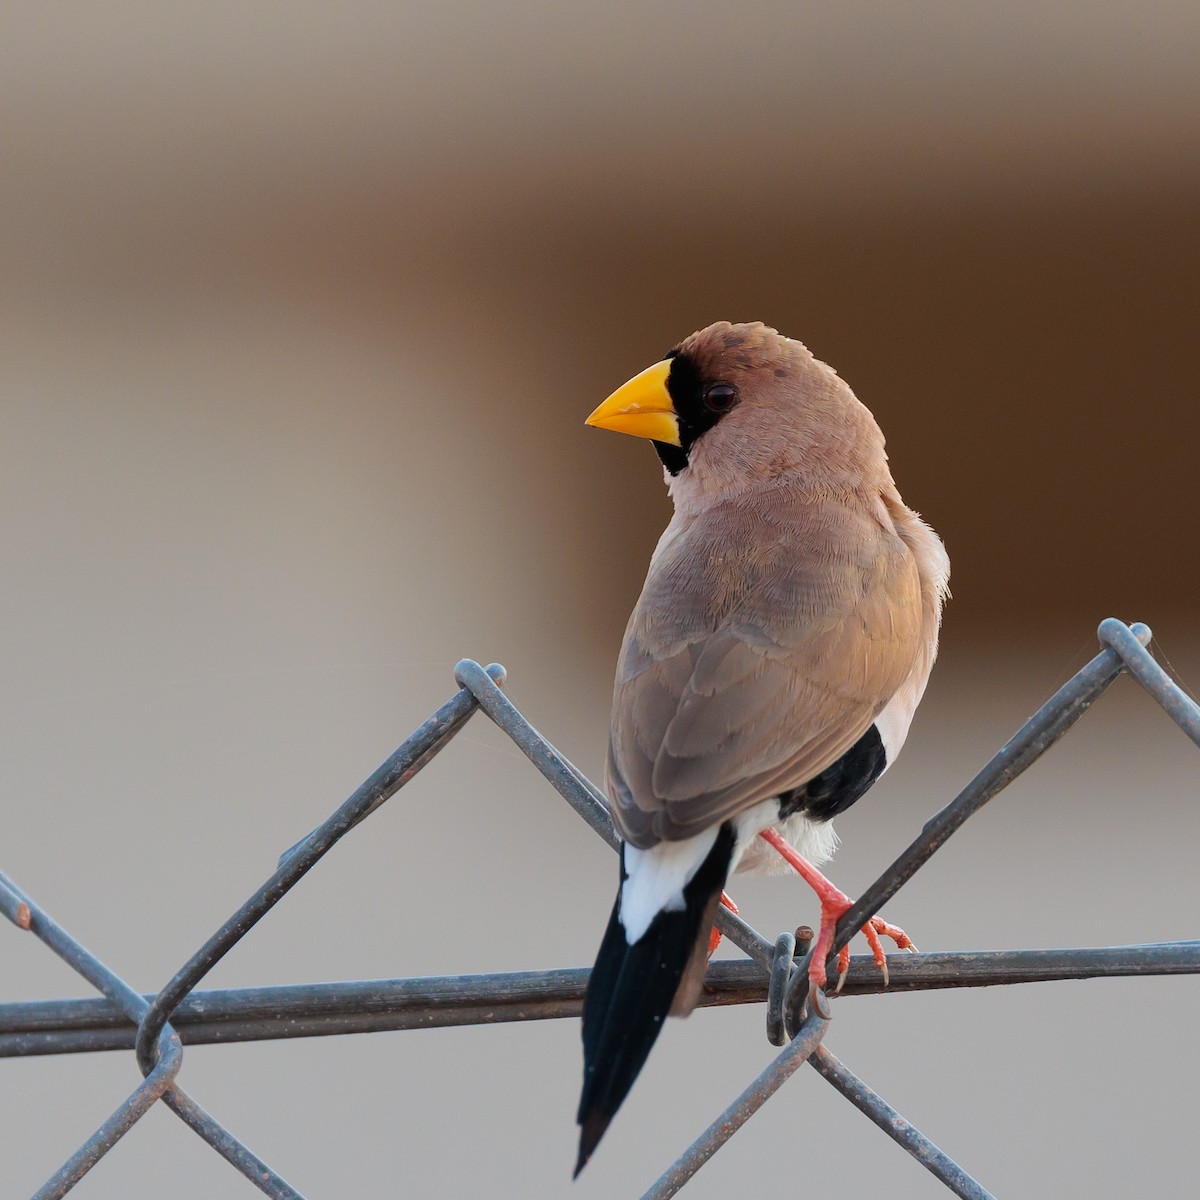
(302, 309)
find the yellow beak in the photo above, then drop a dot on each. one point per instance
(642, 407)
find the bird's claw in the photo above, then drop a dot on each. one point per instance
(820, 1003)
(843, 968)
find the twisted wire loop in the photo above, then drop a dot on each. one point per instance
(158, 1026)
(781, 974)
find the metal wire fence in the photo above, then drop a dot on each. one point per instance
(157, 1027)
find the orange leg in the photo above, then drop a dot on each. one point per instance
(834, 903)
(714, 938)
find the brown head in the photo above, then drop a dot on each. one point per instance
(735, 406)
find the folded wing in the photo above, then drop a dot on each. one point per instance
(767, 638)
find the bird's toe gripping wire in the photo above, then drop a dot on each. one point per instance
(835, 903)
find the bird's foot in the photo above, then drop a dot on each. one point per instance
(714, 937)
(831, 913)
(834, 905)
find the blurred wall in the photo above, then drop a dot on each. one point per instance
(303, 308)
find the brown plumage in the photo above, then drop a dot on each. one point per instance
(750, 664)
(783, 637)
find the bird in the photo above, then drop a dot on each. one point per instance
(768, 674)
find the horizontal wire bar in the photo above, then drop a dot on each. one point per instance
(29, 1028)
(873, 1105)
(764, 1086)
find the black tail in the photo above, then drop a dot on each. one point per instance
(631, 990)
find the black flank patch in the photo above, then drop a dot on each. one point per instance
(841, 784)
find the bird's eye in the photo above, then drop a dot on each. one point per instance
(720, 397)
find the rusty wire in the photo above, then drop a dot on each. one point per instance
(158, 1026)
